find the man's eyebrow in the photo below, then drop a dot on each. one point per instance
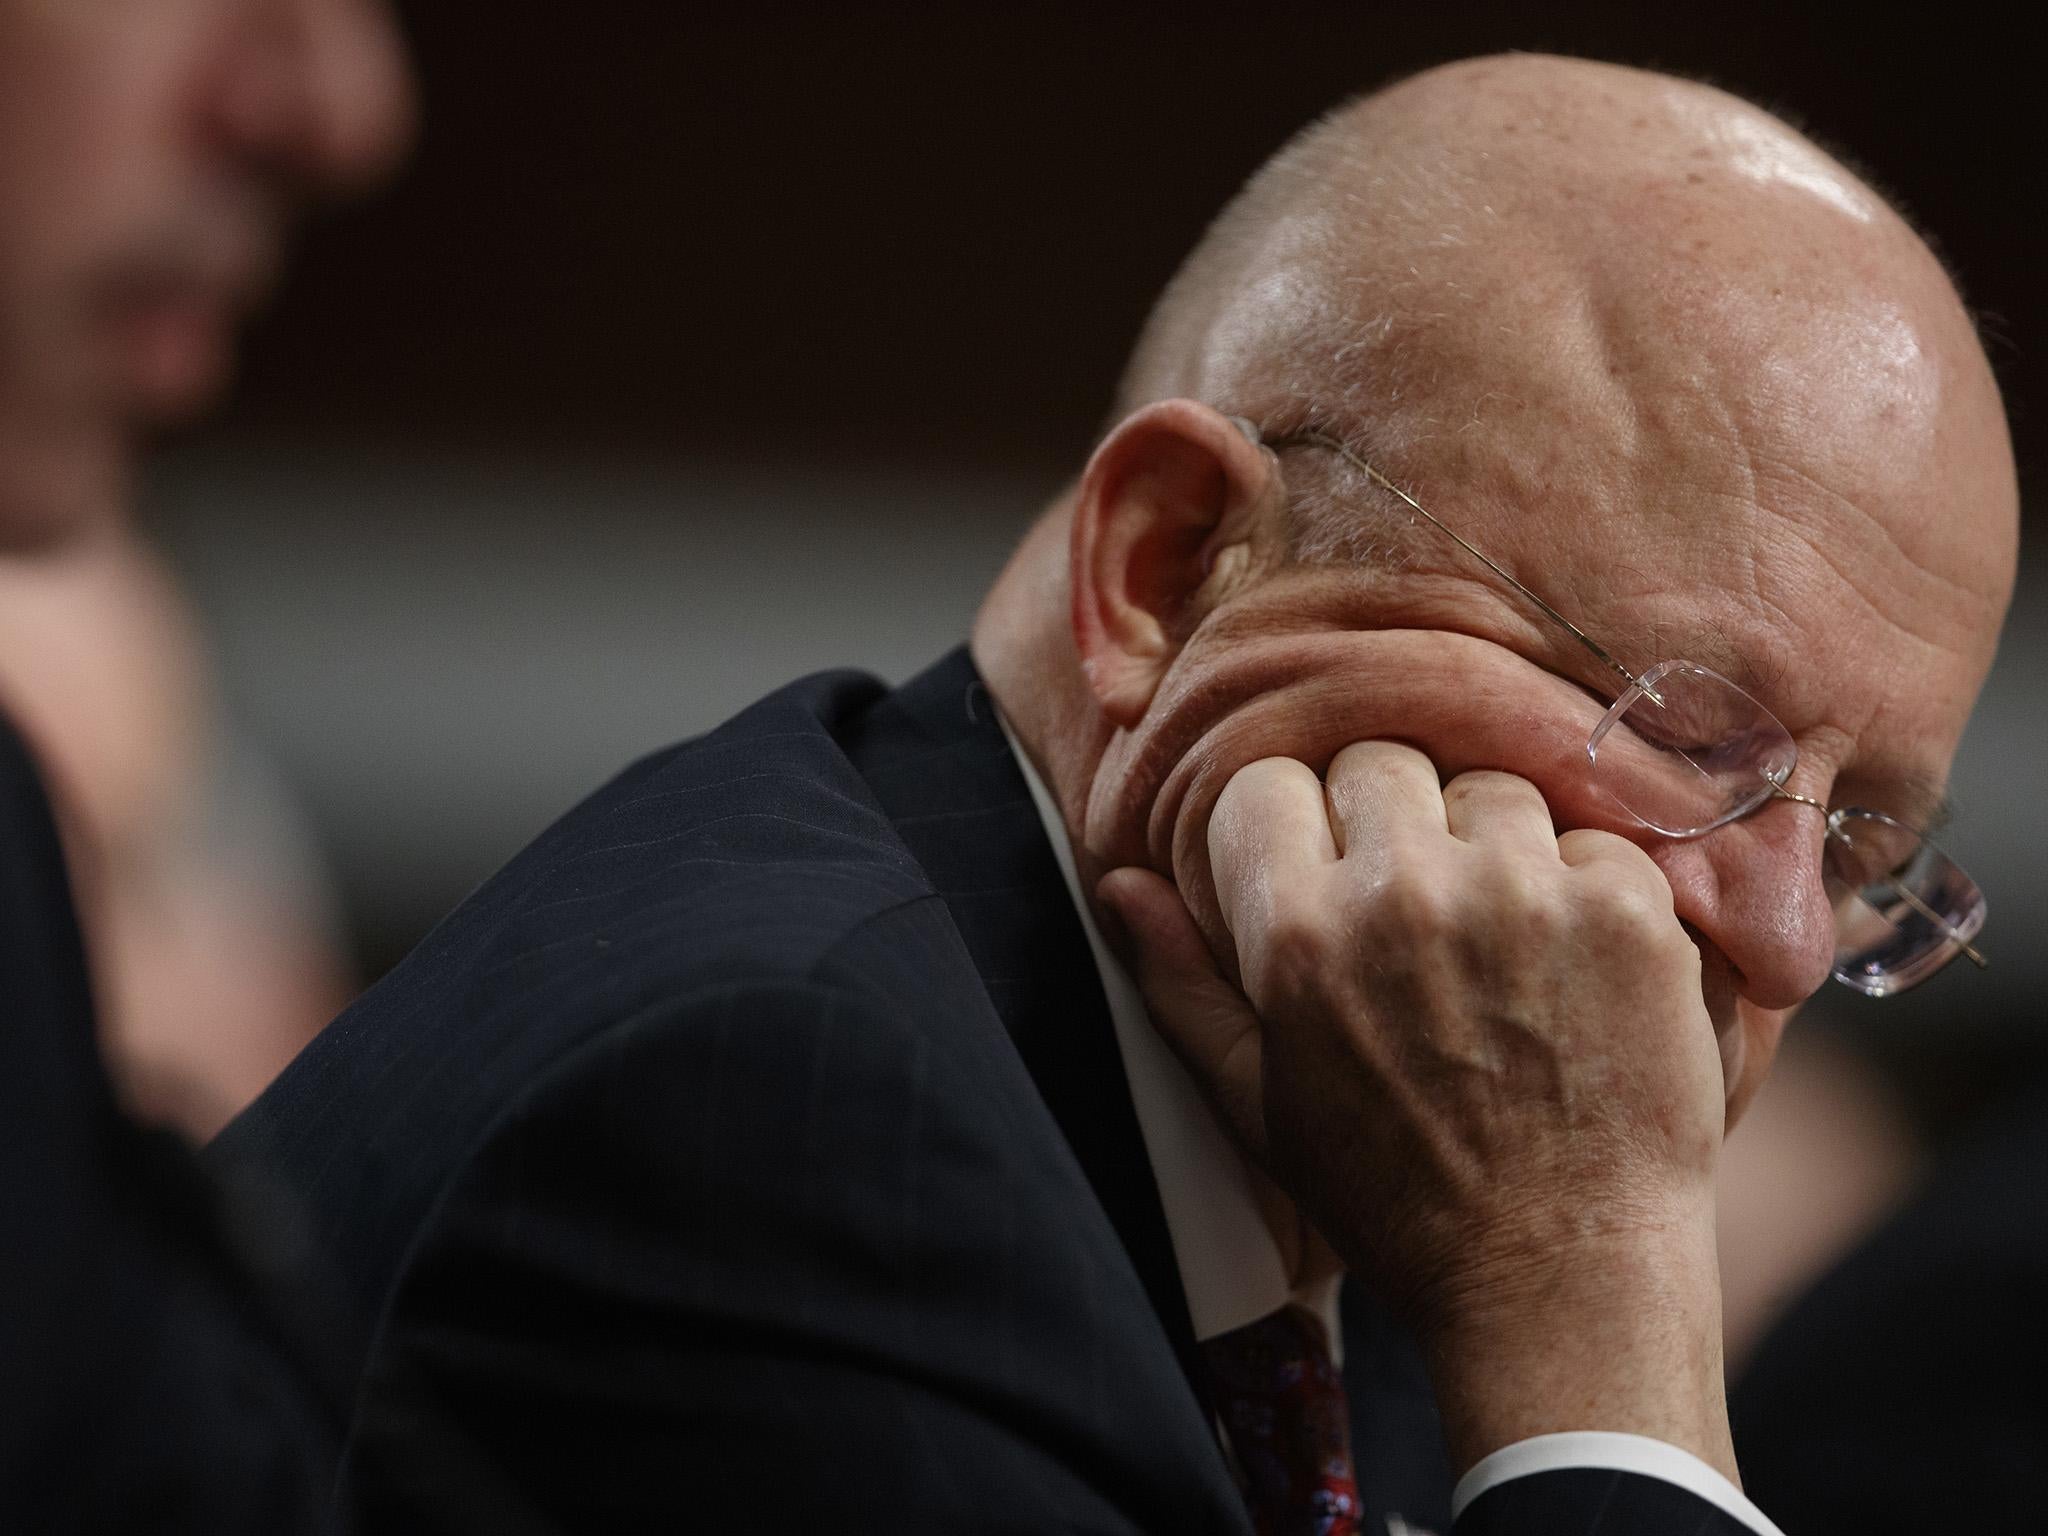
(1919, 799)
(1757, 668)
(1640, 650)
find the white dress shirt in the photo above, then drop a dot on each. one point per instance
(1230, 1265)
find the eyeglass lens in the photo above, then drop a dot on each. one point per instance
(1902, 907)
(1685, 751)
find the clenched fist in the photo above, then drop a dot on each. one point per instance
(1476, 1054)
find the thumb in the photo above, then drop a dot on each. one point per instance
(1193, 1005)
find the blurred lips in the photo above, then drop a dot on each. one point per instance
(170, 318)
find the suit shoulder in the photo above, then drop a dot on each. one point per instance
(742, 854)
(727, 865)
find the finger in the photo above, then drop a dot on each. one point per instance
(1500, 810)
(1269, 832)
(1202, 1016)
(1613, 856)
(1379, 787)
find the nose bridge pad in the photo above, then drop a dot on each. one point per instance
(1780, 792)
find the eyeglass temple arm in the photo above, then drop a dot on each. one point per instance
(1321, 439)
(1961, 943)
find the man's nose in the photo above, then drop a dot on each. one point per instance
(317, 91)
(1754, 890)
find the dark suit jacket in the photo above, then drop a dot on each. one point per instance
(753, 1153)
(140, 1387)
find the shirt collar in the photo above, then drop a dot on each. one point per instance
(1230, 1266)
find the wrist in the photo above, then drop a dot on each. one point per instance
(1616, 1331)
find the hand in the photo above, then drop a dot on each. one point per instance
(1477, 1055)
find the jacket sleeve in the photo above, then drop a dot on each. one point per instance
(136, 1393)
(1580, 1501)
(148, 1398)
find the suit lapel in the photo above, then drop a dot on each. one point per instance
(939, 765)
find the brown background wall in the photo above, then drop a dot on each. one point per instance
(929, 231)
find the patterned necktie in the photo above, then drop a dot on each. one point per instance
(1281, 1400)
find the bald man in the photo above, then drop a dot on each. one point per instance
(1390, 807)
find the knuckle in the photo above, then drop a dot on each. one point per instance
(1597, 844)
(1296, 951)
(1519, 892)
(1245, 802)
(1493, 782)
(1411, 904)
(1254, 781)
(1368, 757)
(1632, 907)
(1269, 772)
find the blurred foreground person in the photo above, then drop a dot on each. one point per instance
(776, 1143)
(151, 155)
(212, 945)
(147, 168)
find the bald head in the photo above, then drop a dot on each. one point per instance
(1654, 352)
(1524, 266)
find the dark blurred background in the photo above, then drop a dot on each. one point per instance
(704, 345)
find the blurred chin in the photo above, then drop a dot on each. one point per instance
(174, 361)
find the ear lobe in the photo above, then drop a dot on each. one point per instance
(1171, 486)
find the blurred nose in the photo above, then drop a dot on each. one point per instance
(1754, 891)
(318, 91)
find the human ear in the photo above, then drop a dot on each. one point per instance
(1164, 512)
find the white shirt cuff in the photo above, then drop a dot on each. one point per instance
(1611, 1452)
